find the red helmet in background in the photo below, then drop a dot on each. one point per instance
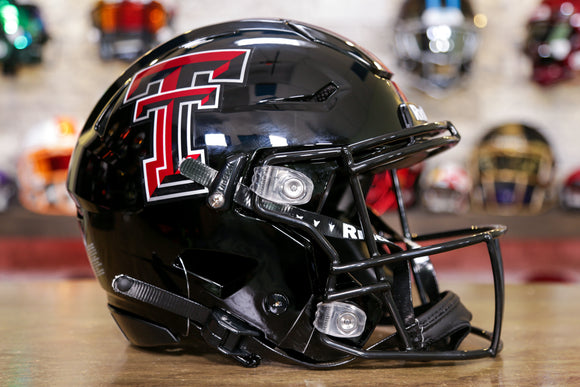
(570, 195)
(129, 28)
(553, 42)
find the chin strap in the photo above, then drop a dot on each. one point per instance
(219, 329)
(222, 331)
(445, 324)
(440, 326)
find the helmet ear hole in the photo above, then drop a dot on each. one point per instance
(220, 273)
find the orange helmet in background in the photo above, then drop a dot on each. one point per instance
(43, 166)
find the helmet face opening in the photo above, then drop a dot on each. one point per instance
(222, 188)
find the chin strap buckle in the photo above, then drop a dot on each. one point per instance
(224, 332)
(219, 329)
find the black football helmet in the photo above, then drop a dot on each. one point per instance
(220, 184)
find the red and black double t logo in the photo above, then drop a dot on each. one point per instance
(168, 93)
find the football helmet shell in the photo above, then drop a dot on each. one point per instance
(220, 185)
(570, 193)
(22, 35)
(436, 42)
(43, 166)
(7, 190)
(446, 188)
(553, 41)
(128, 28)
(513, 169)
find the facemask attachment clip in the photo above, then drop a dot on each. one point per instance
(339, 319)
(282, 185)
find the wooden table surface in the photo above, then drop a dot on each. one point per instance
(59, 333)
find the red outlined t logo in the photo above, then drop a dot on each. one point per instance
(167, 91)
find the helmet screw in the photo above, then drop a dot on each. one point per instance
(123, 283)
(216, 200)
(276, 303)
(347, 322)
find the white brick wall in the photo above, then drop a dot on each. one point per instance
(73, 77)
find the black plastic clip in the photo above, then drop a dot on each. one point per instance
(225, 333)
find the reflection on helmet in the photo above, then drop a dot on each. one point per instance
(381, 196)
(446, 188)
(553, 41)
(513, 171)
(436, 42)
(43, 166)
(221, 185)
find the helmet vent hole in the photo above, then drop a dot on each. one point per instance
(326, 92)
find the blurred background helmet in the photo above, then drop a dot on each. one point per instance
(553, 41)
(446, 188)
(22, 34)
(43, 166)
(128, 28)
(435, 41)
(7, 190)
(513, 170)
(570, 194)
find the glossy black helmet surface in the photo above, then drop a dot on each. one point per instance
(220, 184)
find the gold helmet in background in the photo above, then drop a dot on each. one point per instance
(513, 170)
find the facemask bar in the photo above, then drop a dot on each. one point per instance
(424, 140)
(392, 150)
(423, 271)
